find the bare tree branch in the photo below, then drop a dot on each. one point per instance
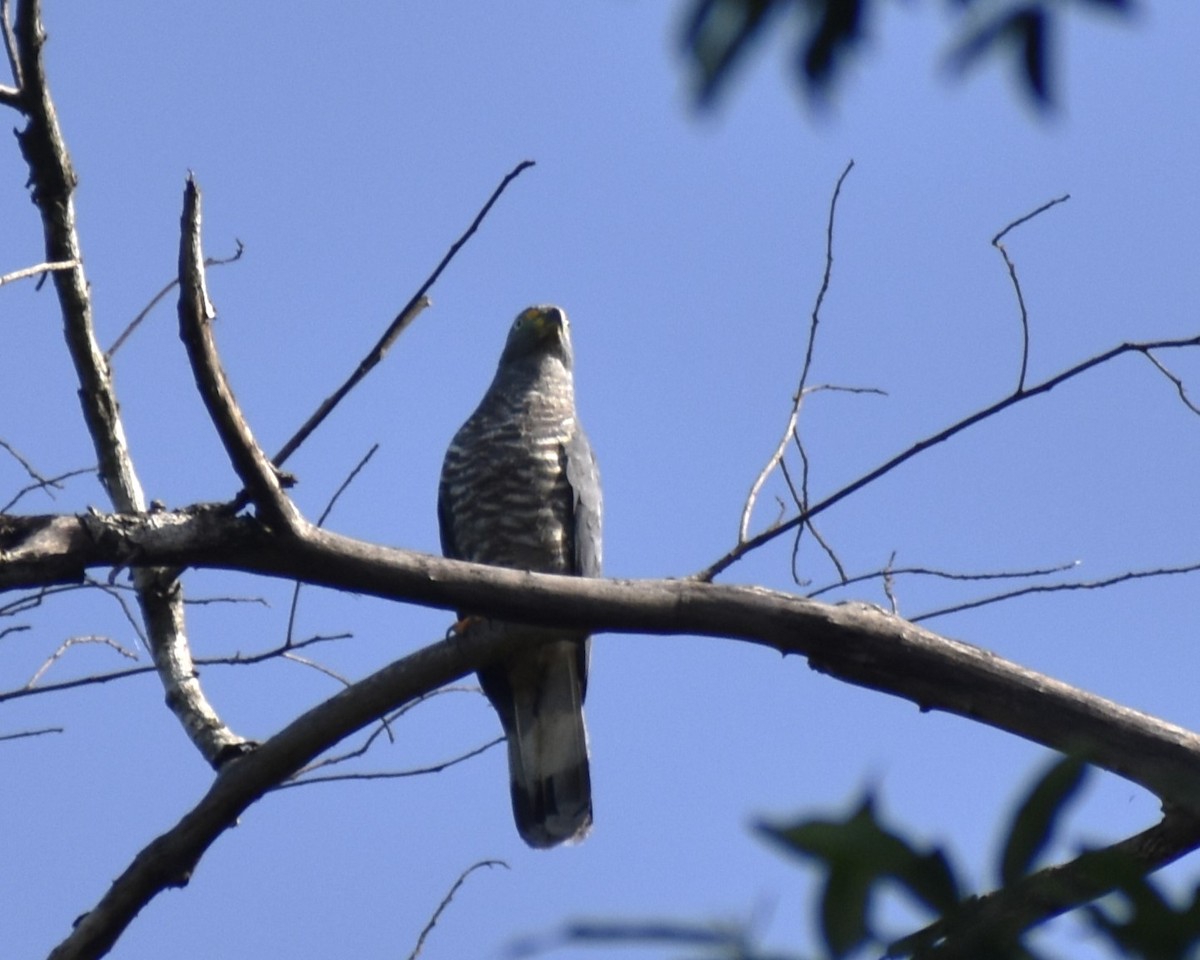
(893, 571)
(10, 96)
(406, 316)
(441, 908)
(313, 664)
(1045, 386)
(1179, 387)
(67, 645)
(22, 735)
(1126, 577)
(291, 623)
(857, 643)
(96, 679)
(393, 774)
(814, 321)
(47, 484)
(169, 860)
(28, 467)
(1012, 275)
(1041, 896)
(385, 726)
(196, 312)
(161, 295)
(38, 268)
(53, 181)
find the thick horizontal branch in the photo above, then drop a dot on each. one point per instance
(857, 643)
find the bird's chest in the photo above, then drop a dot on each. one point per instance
(506, 486)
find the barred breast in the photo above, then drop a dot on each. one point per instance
(504, 480)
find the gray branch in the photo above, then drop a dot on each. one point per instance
(53, 182)
(196, 312)
(855, 642)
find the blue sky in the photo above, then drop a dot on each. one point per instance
(347, 151)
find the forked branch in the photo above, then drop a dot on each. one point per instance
(1145, 348)
(53, 181)
(196, 312)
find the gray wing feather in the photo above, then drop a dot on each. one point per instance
(445, 526)
(583, 477)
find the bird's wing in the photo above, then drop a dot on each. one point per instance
(587, 506)
(445, 525)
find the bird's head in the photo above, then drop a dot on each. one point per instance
(539, 331)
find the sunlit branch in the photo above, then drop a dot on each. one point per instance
(75, 641)
(37, 269)
(52, 180)
(798, 399)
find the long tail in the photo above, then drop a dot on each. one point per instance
(547, 750)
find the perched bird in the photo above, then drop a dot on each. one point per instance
(520, 489)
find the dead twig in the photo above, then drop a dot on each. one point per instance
(1012, 399)
(48, 485)
(358, 467)
(52, 180)
(22, 735)
(319, 667)
(393, 774)
(36, 269)
(97, 679)
(814, 321)
(1119, 578)
(462, 878)
(26, 465)
(893, 571)
(161, 295)
(11, 95)
(196, 312)
(72, 642)
(1012, 275)
(1179, 387)
(829, 551)
(406, 316)
(385, 726)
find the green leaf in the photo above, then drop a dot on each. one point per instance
(1037, 817)
(1151, 927)
(837, 29)
(1033, 27)
(857, 854)
(1024, 31)
(718, 33)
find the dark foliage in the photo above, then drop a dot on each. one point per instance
(719, 33)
